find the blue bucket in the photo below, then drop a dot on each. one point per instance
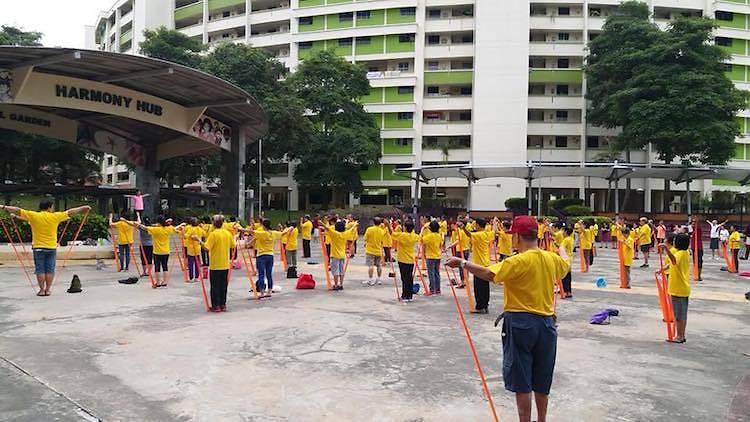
(415, 288)
(601, 282)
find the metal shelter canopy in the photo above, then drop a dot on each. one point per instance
(611, 172)
(184, 86)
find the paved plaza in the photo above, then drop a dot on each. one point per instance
(130, 353)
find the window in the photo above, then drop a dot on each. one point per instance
(225, 35)
(307, 20)
(563, 36)
(534, 141)
(562, 89)
(433, 115)
(563, 11)
(406, 90)
(406, 38)
(405, 116)
(433, 13)
(595, 11)
(305, 45)
(433, 65)
(344, 42)
(466, 39)
(433, 90)
(403, 66)
(433, 39)
(110, 160)
(408, 11)
(364, 14)
(404, 142)
(561, 141)
(592, 36)
(561, 115)
(364, 40)
(592, 142)
(226, 14)
(464, 116)
(123, 176)
(372, 68)
(467, 65)
(346, 17)
(109, 179)
(465, 90)
(724, 16)
(563, 63)
(725, 42)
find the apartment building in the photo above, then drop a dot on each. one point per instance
(452, 81)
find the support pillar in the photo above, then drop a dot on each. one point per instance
(147, 182)
(233, 176)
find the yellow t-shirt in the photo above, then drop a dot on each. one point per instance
(44, 227)
(465, 243)
(628, 244)
(374, 241)
(405, 244)
(124, 233)
(559, 235)
(229, 226)
(264, 241)
(587, 238)
(644, 235)
(338, 240)
(540, 229)
(207, 229)
(480, 247)
(443, 227)
(306, 230)
(505, 243)
(432, 242)
(291, 239)
(614, 230)
(161, 238)
(219, 243)
(529, 279)
(567, 243)
(193, 246)
(734, 240)
(679, 279)
(387, 238)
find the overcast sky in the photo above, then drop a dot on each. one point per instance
(61, 21)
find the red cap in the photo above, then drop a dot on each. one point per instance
(524, 225)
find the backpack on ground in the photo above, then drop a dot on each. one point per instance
(291, 272)
(305, 282)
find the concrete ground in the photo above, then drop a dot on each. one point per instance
(130, 353)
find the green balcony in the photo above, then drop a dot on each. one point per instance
(318, 23)
(316, 47)
(389, 175)
(377, 17)
(739, 21)
(392, 121)
(375, 45)
(737, 73)
(189, 11)
(556, 75)
(394, 16)
(736, 46)
(449, 77)
(371, 173)
(374, 97)
(311, 3)
(392, 95)
(335, 22)
(221, 4)
(394, 44)
(126, 36)
(390, 147)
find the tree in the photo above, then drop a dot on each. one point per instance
(345, 136)
(664, 88)
(10, 35)
(171, 45)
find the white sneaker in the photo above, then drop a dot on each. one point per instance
(379, 282)
(371, 282)
(366, 282)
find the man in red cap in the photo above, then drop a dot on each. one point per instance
(529, 333)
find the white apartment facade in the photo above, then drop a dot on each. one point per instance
(452, 81)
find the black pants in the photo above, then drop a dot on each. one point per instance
(747, 252)
(387, 254)
(735, 253)
(305, 248)
(204, 257)
(566, 282)
(147, 257)
(481, 292)
(218, 287)
(407, 280)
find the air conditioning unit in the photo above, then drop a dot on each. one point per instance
(283, 53)
(444, 40)
(284, 28)
(445, 13)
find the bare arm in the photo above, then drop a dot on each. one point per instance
(669, 254)
(478, 270)
(11, 209)
(77, 210)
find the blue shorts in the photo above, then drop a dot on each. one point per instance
(529, 351)
(44, 260)
(337, 266)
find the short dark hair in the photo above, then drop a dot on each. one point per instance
(377, 221)
(45, 204)
(568, 230)
(481, 222)
(682, 241)
(340, 226)
(161, 220)
(670, 238)
(409, 226)
(265, 222)
(434, 226)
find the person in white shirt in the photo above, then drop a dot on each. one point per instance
(723, 237)
(715, 234)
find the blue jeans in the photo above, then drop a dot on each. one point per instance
(465, 256)
(529, 351)
(192, 263)
(433, 273)
(265, 271)
(124, 252)
(44, 260)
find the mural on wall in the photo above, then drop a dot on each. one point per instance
(105, 141)
(6, 82)
(213, 131)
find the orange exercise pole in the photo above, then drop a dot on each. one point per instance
(583, 259)
(203, 284)
(467, 283)
(181, 257)
(150, 266)
(664, 298)
(325, 260)
(621, 259)
(694, 242)
(474, 354)
(248, 260)
(114, 247)
(15, 251)
(72, 243)
(418, 271)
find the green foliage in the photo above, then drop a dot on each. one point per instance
(171, 45)
(595, 219)
(562, 203)
(666, 88)
(576, 210)
(345, 137)
(516, 204)
(11, 35)
(723, 200)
